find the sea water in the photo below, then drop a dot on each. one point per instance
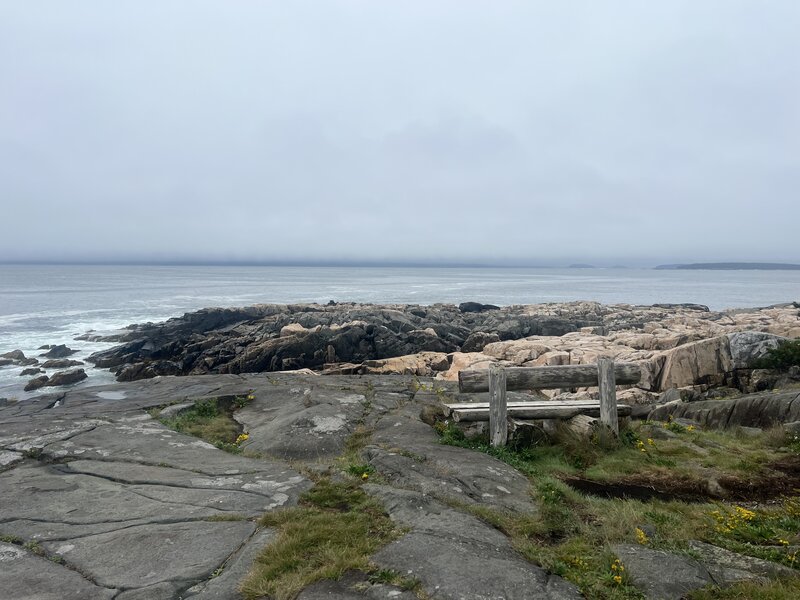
(41, 304)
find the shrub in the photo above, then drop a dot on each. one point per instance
(784, 356)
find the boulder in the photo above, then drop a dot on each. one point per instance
(478, 340)
(461, 361)
(424, 364)
(66, 377)
(30, 371)
(14, 355)
(60, 351)
(36, 383)
(60, 363)
(703, 362)
(294, 329)
(5, 362)
(476, 307)
(748, 346)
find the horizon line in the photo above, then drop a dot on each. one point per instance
(363, 263)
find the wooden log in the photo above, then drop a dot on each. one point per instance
(542, 378)
(447, 409)
(608, 395)
(582, 426)
(498, 410)
(536, 412)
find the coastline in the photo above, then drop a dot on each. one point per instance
(432, 341)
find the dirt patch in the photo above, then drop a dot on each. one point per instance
(781, 479)
(632, 490)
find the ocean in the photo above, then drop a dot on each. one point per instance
(41, 304)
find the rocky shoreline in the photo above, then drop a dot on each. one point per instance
(678, 346)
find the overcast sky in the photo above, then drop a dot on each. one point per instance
(540, 132)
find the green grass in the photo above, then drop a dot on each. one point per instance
(211, 421)
(10, 539)
(572, 533)
(682, 464)
(782, 589)
(335, 528)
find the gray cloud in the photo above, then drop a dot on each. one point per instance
(538, 132)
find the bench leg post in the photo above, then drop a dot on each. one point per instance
(498, 412)
(608, 399)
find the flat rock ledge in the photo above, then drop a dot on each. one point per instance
(99, 500)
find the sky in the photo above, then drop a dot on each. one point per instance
(456, 131)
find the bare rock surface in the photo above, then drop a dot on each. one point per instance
(463, 553)
(763, 409)
(354, 586)
(408, 454)
(26, 575)
(128, 508)
(663, 575)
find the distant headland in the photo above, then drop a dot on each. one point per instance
(734, 266)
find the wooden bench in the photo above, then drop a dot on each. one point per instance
(497, 380)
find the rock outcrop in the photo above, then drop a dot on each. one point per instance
(763, 410)
(676, 345)
(140, 511)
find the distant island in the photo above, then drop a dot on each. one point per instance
(733, 266)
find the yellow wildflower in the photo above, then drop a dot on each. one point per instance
(690, 428)
(618, 579)
(651, 442)
(243, 437)
(641, 536)
(365, 476)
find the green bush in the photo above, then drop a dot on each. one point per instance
(784, 356)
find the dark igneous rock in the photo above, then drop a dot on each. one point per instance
(30, 371)
(36, 383)
(476, 307)
(66, 377)
(60, 351)
(60, 363)
(477, 341)
(256, 338)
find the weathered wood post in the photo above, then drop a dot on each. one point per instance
(498, 422)
(607, 381)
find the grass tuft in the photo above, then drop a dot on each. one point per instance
(213, 422)
(336, 527)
